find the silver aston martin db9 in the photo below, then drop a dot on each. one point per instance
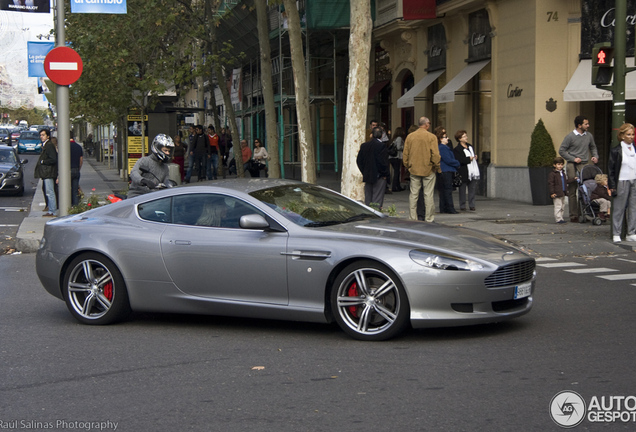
(279, 249)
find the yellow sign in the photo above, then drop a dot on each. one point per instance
(134, 118)
(134, 145)
(131, 163)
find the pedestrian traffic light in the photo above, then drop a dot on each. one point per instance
(602, 69)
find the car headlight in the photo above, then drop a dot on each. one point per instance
(442, 261)
(15, 174)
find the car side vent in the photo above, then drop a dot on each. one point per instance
(511, 274)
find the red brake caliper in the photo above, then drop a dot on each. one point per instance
(108, 291)
(353, 292)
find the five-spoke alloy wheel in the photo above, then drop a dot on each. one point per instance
(369, 302)
(94, 290)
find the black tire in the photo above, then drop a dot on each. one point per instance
(369, 302)
(597, 221)
(94, 290)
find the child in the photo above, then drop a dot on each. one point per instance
(557, 183)
(601, 195)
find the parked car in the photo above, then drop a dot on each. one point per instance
(4, 135)
(15, 135)
(11, 173)
(279, 249)
(29, 142)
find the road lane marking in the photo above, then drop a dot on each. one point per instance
(13, 209)
(626, 260)
(541, 259)
(562, 264)
(592, 270)
(619, 276)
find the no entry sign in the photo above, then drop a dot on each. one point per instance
(63, 65)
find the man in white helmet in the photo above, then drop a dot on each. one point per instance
(151, 172)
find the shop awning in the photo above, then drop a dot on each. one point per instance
(447, 94)
(408, 99)
(376, 87)
(580, 87)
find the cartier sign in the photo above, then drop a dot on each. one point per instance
(479, 46)
(514, 92)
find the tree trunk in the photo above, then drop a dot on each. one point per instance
(220, 78)
(357, 97)
(215, 120)
(268, 90)
(305, 137)
(200, 101)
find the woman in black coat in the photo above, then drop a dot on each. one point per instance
(469, 170)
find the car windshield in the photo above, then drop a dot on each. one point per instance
(29, 135)
(7, 156)
(313, 206)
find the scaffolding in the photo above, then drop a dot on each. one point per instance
(321, 42)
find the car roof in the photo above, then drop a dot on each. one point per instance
(31, 134)
(249, 185)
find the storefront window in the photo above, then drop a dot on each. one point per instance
(482, 112)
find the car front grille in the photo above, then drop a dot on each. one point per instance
(511, 274)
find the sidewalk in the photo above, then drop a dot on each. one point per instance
(530, 227)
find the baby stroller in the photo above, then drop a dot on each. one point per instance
(588, 210)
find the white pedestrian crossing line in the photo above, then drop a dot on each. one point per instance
(592, 270)
(13, 209)
(585, 269)
(619, 277)
(562, 264)
(8, 225)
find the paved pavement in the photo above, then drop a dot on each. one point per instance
(530, 227)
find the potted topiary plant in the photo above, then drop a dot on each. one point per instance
(540, 160)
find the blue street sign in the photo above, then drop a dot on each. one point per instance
(99, 6)
(37, 51)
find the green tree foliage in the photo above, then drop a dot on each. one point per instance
(33, 116)
(542, 151)
(129, 59)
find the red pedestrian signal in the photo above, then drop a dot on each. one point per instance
(600, 57)
(602, 69)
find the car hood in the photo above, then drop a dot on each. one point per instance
(6, 167)
(468, 242)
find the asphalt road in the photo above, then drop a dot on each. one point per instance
(176, 372)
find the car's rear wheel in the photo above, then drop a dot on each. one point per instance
(94, 290)
(369, 302)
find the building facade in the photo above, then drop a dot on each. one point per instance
(490, 67)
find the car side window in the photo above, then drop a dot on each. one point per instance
(156, 211)
(210, 210)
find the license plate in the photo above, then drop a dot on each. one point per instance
(523, 290)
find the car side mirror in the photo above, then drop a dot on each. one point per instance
(253, 221)
(23, 161)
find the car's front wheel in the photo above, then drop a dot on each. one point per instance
(94, 290)
(369, 302)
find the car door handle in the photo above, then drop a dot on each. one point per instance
(183, 242)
